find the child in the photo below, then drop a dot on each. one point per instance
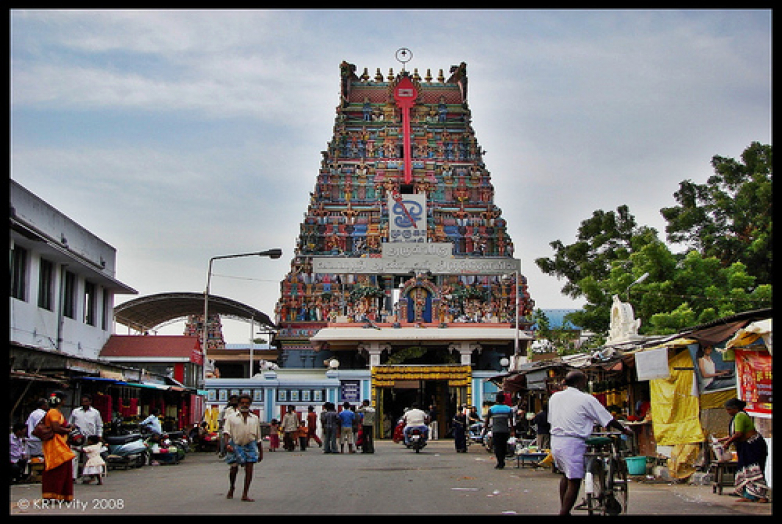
(274, 435)
(94, 467)
(303, 435)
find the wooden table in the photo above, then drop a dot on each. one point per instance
(723, 473)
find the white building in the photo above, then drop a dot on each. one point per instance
(62, 280)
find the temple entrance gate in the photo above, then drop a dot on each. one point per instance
(396, 387)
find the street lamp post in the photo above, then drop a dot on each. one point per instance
(638, 281)
(516, 312)
(271, 253)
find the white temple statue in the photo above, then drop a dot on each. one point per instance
(624, 325)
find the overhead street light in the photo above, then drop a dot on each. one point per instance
(271, 253)
(638, 281)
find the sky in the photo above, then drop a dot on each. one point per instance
(180, 135)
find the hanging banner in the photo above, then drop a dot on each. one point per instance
(652, 364)
(675, 410)
(755, 385)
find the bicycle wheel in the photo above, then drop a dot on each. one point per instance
(596, 489)
(617, 487)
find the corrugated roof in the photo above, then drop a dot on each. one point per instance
(149, 346)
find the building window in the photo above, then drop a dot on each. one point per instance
(90, 303)
(106, 310)
(46, 285)
(19, 273)
(69, 295)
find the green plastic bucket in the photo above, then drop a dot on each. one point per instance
(636, 465)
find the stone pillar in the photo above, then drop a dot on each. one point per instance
(374, 349)
(465, 349)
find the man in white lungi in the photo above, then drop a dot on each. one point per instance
(572, 413)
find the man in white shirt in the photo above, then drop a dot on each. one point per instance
(89, 422)
(242, 433)
(34, 445)
(87, 418)
(230, 408)
(415, 418)
(572, 414)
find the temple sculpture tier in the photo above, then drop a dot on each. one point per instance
(401, 233)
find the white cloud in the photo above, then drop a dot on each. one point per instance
(180, 135)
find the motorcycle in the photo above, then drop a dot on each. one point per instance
(474, 433)
(127, 451)
(204, 440)
(417, 438)
(181, 440)
(162, 450)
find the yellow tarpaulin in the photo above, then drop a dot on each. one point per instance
(716, 399)
(675, 411)
(683, 457)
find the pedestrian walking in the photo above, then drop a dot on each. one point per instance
(460, 431)
(242, 433)
(290, 428)
(542, 428)
(303, 434)
(34, 447)
(274, 435)
(752, 451)
(367, 414)
(434, 431)
(228, 410)
(312, 426)
(329, 421)
(572, 414)
(94, 465)
(57, 479)
(89, 422)
(500, 417)
(346, 418)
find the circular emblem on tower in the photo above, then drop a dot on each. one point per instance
(404, 55)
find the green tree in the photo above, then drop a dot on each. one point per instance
(604, 244)
(730, 216)
(725, 226)
(602, 239)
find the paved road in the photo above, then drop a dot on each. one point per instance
(394, 480)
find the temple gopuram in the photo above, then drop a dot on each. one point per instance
(403, 285)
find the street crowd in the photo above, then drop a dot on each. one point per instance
(75, 445)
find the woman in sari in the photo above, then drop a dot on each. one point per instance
(752, 452)
(57, 479)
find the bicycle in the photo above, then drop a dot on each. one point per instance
(605, 482)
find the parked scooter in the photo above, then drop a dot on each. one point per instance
(417, 439)
(126, 451)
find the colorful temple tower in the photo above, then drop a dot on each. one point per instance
(403, 265)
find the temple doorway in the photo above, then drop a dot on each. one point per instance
(396, 388)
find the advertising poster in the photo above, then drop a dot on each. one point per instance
(711, 371)
(755, 385)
